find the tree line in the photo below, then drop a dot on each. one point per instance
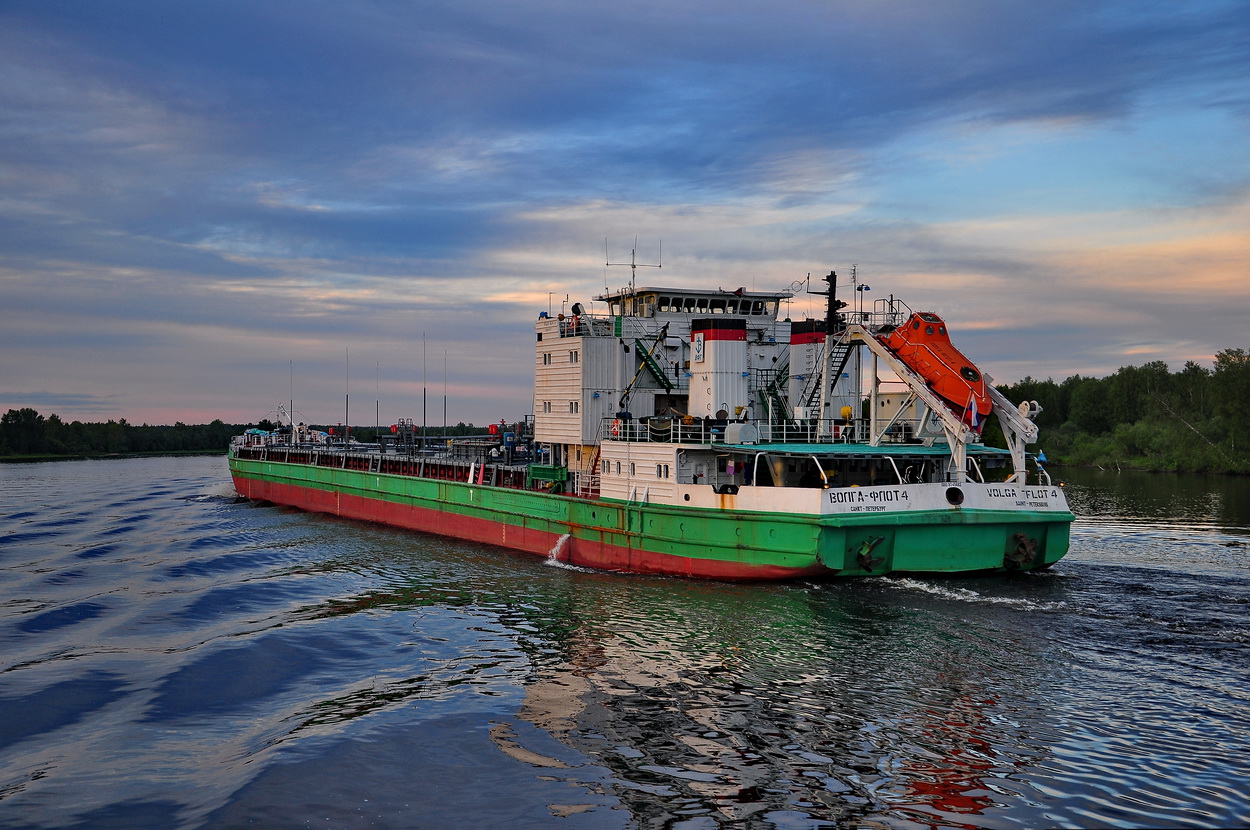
(1146, 417)
(25, 432)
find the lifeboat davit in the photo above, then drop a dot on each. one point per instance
(923, 344)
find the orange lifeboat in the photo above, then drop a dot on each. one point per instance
(923, 344)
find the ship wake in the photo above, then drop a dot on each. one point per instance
(558, 557)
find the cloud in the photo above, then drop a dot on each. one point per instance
(196, 193)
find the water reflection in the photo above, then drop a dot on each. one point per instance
(1207, 502)
(783, 705)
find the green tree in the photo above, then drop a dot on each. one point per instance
(1090, 408)
(21, 431)
(1231, 379)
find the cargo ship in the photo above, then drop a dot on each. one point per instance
(699, 433)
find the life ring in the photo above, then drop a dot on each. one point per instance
(616, 427)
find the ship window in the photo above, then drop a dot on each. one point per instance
(546, 406)
(915, 325)
(665, 304)
(547, 358)
(757, 307)
(701, 305)
(941, 329)
(632, 469)
(666, 471)
(770, 308)
(928, 329)
(618, 468)
(718, 306)
(659, 470)
(573, 356)
(573, 407)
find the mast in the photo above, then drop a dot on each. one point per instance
(833, 328)
(633, 263)
(832, 319)
(425, 421)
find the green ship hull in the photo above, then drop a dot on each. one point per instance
(725, 541)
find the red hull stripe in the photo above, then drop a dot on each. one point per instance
(804, 337)
(721, 334)
(584, 552)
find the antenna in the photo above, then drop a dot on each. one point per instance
(425, 421)
(860, 288)
(633, 263)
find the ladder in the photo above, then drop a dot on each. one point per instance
(840, 357)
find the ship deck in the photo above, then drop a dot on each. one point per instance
(860, 450)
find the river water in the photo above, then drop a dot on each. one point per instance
(172, 658)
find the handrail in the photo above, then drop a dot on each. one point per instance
(821, 470)
(896, 472)
(775, 430)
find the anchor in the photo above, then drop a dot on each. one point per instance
(864, 555)
(1024, 553)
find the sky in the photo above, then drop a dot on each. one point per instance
(211, 208)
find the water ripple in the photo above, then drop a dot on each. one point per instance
(174, 658)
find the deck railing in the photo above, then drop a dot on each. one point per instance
(700, 431)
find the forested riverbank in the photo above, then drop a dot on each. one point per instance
(1145, 417)
(25, 434)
